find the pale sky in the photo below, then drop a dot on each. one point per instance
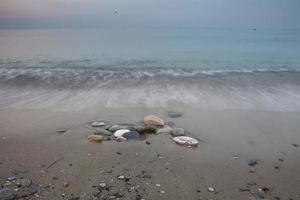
(151, 13)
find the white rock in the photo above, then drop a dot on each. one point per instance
(120, 133)
(211, 189)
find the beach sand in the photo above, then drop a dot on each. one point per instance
(229, 139)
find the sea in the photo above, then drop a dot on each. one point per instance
(87, 69)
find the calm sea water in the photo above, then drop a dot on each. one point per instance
(80, 69)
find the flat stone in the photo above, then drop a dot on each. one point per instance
(295, 145)
(153, 120)
(102, 131)
(98, 123)
(74, 198)
(6, 194)
(165, 129)
(211, 189)
(185, 140)
(61, 130)
(177, 132)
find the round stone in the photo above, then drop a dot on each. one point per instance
(95, 138)
(153, 120)
(211, 189)
(131, 135)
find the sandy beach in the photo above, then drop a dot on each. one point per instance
(66, 165)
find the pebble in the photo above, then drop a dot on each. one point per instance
(187, 141)
(211, 189)
(131, 135)
(162, 192)
(145, 129)
(95, 138)
(157, 185)
(98, 124)
(120, 133)
(102, 131)
(117, 127)
(177, 132)
(61, 130)
(6, 194)
(174, 114)
(295, 145)
(66, 184)
(252, 163)
(244, 189)
(153, 120)
(121, 177)
(74, 198)
(102, 185)
(166, 129)
(148, 143)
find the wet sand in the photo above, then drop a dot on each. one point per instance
(31, 148)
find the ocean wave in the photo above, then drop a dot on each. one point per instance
(75, 78)
(77, 89)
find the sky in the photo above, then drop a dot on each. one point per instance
(150, 13)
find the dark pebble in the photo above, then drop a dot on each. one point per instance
(138, 197)
(131, 135)
(74, 198)
(252, 163)
(276, 167)
(281, 159)
(119, 153)
(295, 145)
(148, 143)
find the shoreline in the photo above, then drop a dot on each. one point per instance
(229, 140)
